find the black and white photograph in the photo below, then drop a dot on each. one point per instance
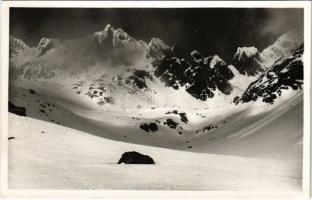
(156, 98)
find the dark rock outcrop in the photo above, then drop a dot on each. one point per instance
(138, 79)
(182, 115)
(172, 124)
(200, 76)
(21, 111)
(149, 127)
(134, 157)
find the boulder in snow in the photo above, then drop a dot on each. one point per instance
(134, 157)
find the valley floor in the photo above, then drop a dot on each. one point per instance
(48, 156)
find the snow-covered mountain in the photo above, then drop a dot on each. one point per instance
(117, 58)
(111, 70)
(286, 73)
(96, 53)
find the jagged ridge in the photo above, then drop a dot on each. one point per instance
(200, 76)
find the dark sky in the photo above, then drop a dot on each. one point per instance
(209, 30)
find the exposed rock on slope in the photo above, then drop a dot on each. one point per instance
(149, 127)
(220, 67)
(138, 79)
(200, 76)
(21, 111)
(285, 74)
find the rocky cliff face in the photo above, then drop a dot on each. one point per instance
(285, 74)
(200, 76)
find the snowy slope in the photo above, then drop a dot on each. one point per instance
(59, 106)
(202, 128)
(48, 156)
(277, 134)
(282, 46)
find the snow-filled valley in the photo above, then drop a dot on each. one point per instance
(48, 156)
(207, 124)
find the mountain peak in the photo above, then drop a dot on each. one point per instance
(45, 44)
(108, 26)
(242, 52)
(157, 48)
(157, 42)
(104, 37)
(16, 46)
(247, 60)
(197, 57)
(216, 60)
(111, 37)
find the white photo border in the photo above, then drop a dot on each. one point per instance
(5, 9)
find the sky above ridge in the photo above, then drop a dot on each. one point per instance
(208, 30)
